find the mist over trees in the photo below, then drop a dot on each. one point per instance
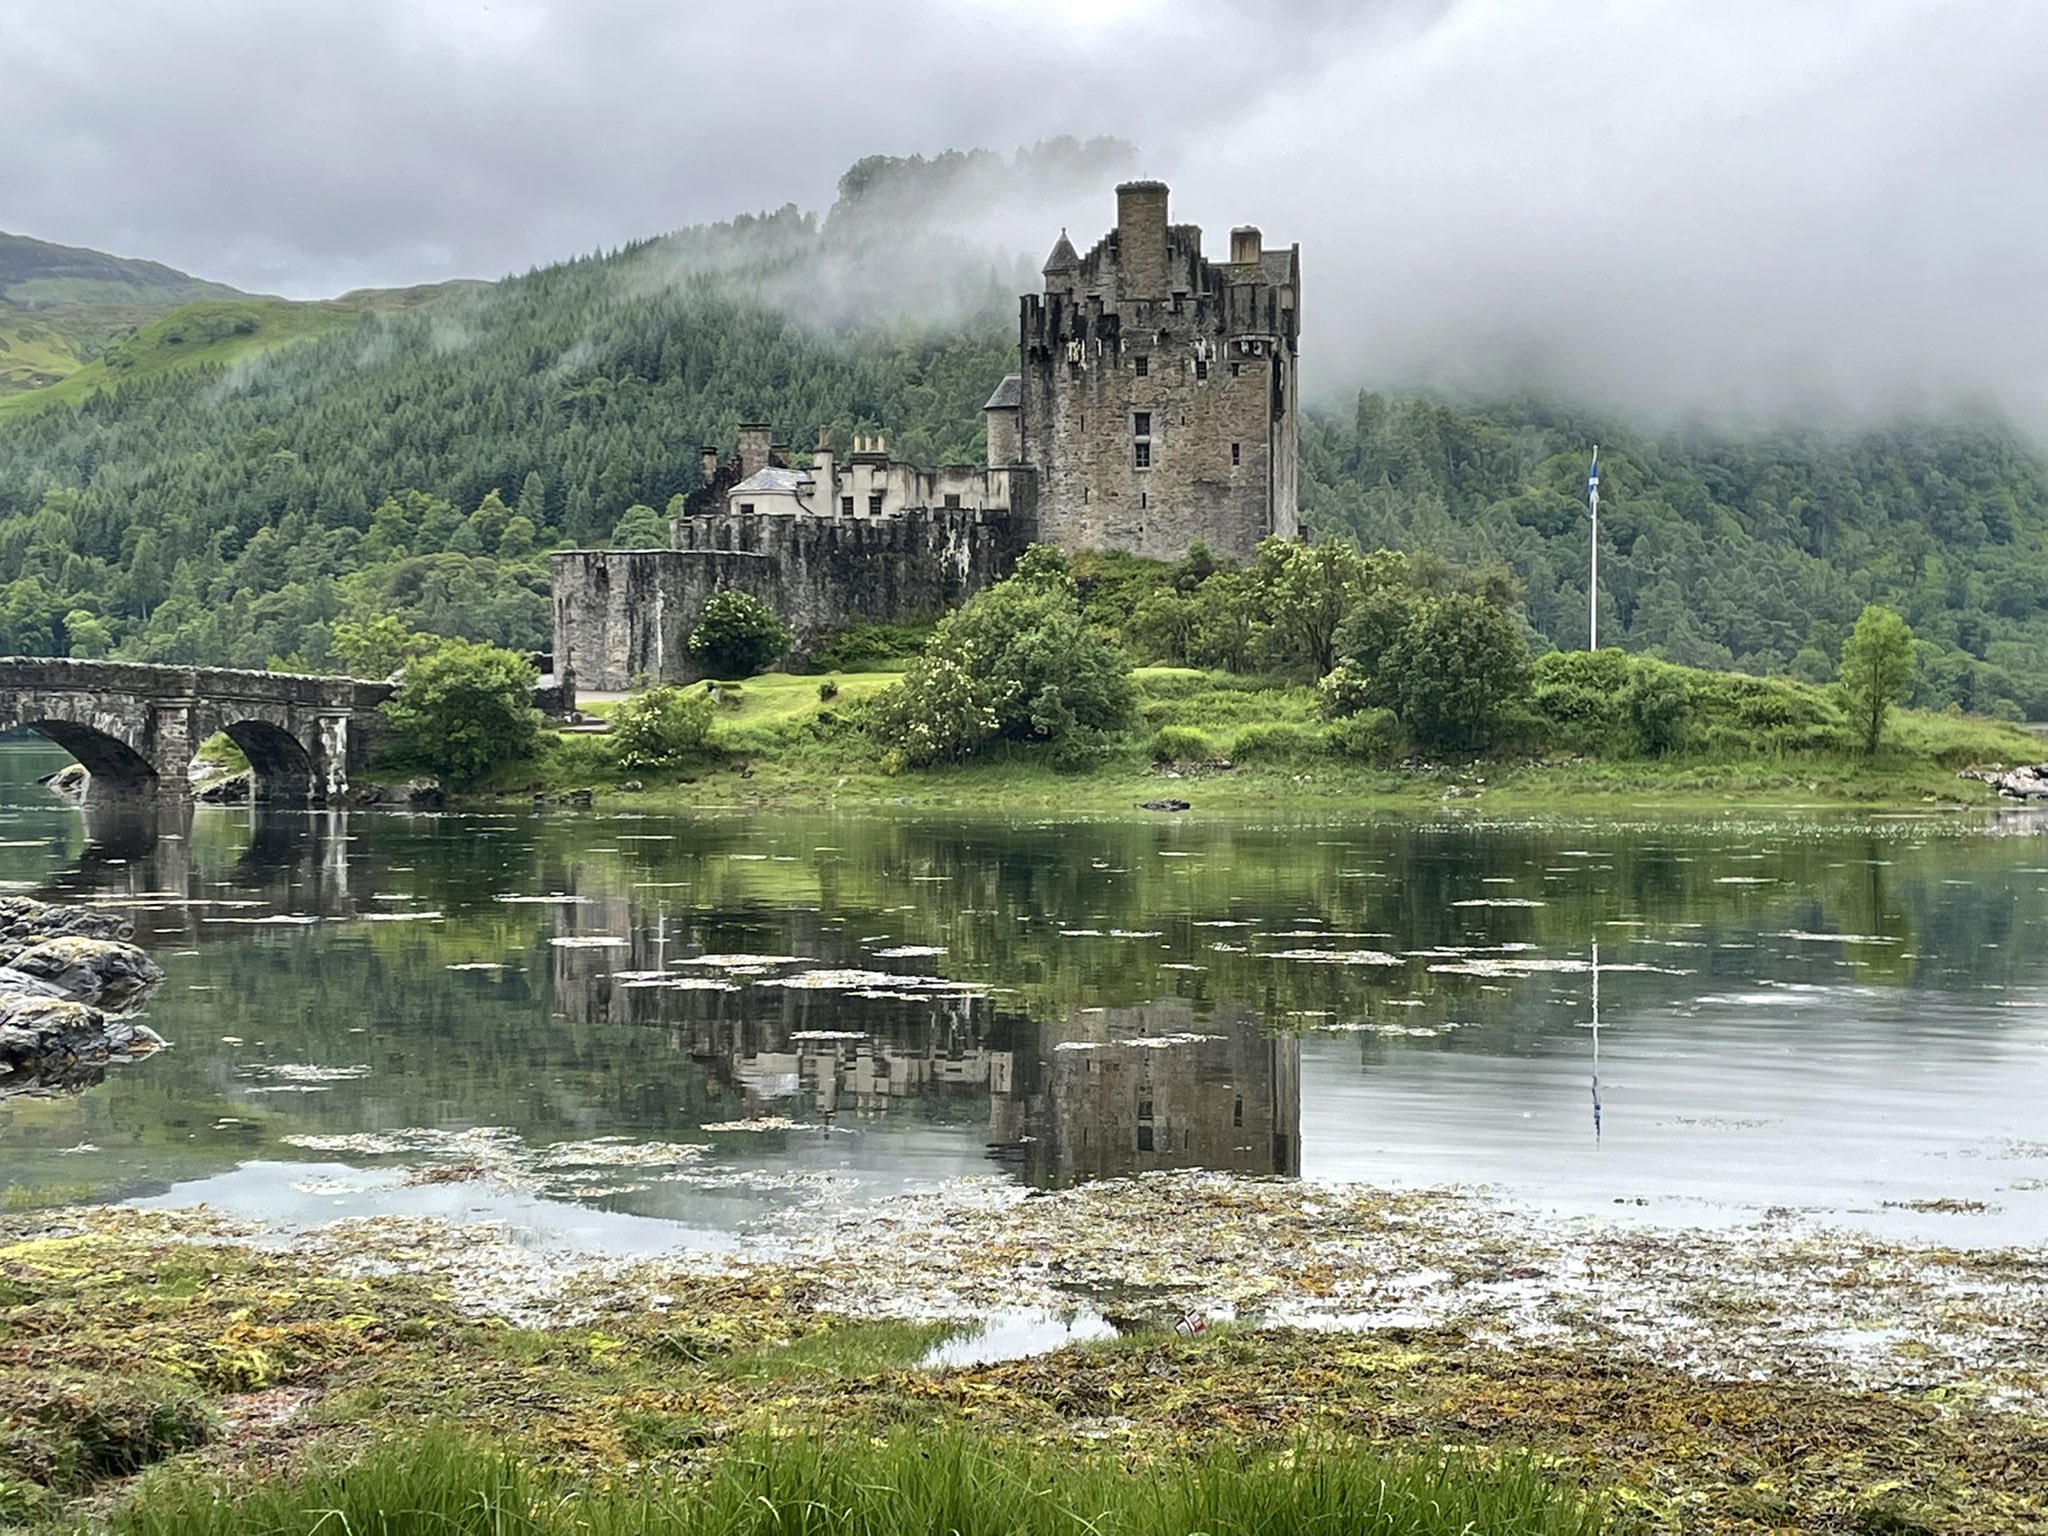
(420, 466)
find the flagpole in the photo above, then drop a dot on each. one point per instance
(1593, 586)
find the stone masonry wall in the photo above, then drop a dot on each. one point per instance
(622, 614)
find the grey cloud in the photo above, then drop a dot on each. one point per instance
(1674, 204)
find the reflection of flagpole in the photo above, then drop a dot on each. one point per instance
(1596, 1039)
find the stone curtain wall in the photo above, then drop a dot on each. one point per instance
(627, 614)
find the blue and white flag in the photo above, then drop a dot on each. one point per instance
(1593, 488)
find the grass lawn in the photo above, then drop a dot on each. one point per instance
(1241, 746)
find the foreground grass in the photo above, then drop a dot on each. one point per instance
(906, 1483)
(263, 1387)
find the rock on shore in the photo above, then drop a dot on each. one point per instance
(66, 976)
(2026, 783)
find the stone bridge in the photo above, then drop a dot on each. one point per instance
(136, 727)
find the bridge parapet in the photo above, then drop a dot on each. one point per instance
(135, 726)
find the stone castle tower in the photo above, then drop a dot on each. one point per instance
(1157, 400)
(1155, 405)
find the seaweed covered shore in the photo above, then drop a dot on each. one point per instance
(1769, 1378)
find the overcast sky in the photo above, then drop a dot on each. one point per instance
(1673, 203)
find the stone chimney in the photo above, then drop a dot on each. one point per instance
(756, 443)
(824, 482)
(1141, 240)
(707, 461)
(1246, 249)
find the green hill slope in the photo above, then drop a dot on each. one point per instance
(217, 333)
(417, 456)
(60, 303)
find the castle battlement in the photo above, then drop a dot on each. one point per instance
(1156, 398)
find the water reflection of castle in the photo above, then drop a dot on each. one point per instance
(1102, 1093)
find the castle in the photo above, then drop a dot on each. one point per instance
(1155, 406)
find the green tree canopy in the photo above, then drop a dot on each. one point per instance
(1018, 663)
(1877, 671)
(641, 528)
(464, 710)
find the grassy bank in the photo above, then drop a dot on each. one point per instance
(906, 1483)
(1240, 745)
(256, 1390)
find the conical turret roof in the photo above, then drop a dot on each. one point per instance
(1062, 258)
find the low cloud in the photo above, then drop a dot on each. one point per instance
(1726, 206)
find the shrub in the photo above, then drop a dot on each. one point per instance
(1581, 702)
(865, 647)
(464, 710)
(737, 634)
(1276, 742)
(1659, 707)
(1016, 664)
(1369, 735)
(1345, 690)
(1459, 669)
(1181, 744)
(828, 690)
(661, 726)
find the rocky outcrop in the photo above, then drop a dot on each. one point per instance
(101, 973)
(412, 795)
(69, 977)
(228, 789)
(26, 922)
(2027, 783)
(69, 782)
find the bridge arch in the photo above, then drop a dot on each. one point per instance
(280, 765)
(119, 772)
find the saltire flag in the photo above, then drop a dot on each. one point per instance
(1593, 488)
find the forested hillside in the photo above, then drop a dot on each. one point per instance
(422, 462)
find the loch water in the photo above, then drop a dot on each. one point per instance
(642, 1031)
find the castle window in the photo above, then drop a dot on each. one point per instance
(746, 509)
(1142, 456)
(1233, 370)
(1141, 424)
(1236, 454)
(952, 503)
(1144, 366)
(1201, 368)
(846, 506)
(1143, 501)
(874, 504)
(1145, 1138)
(1237, 1111)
